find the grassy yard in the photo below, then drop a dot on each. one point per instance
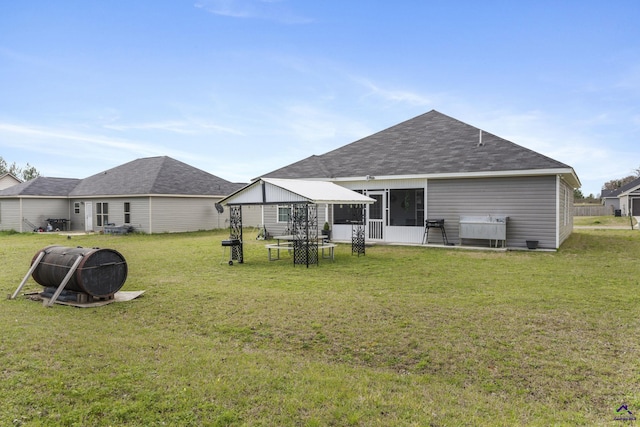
(404, 336)
(606, 221)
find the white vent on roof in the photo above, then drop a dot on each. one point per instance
(480, 143)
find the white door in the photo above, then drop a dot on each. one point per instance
(376, 216)
(88, 216)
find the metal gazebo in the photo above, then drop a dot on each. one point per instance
(303, 196)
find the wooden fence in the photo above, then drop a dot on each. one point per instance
(592, 210)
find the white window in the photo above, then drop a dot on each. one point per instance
(284, 213)
(102, 214)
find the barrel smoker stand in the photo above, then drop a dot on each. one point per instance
(60, 287)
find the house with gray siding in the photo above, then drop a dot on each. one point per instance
(625, 198)
(436, 167)
(151, 195)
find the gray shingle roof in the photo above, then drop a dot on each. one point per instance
(154, 175)
(147, 176)
(42, 186)
(431, 143)
(617, 191)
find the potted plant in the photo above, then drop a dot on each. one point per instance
(326, 231)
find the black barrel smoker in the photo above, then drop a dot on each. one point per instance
(99, 273)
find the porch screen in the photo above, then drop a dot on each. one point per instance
(347, 214)
(406, 207)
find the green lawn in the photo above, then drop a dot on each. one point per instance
(607, 221)
(404, 336)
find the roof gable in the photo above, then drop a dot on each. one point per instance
(431, 143)
(285, 191)
(8, 179)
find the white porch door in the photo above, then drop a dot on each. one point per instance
(88, 216)
(376, 216)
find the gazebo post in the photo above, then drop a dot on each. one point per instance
(305, 233)
(358, 234)
(235, 232)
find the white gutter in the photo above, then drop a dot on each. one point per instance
(484, 174)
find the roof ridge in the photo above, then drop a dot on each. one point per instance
(158, 172)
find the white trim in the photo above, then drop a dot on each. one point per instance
(484, 174)
(629, 191)
(558, 219)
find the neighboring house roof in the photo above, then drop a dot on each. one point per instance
(609, 194)
(629, 187)
(154, 175)
(42, 186)
(429, 144)
(148, 176)
(613, 194)
(274, 191)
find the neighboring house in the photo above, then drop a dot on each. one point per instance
(152, 195)
(610, 200)
(8, 180)
(626, 198)
(436, 167)
(28, 205)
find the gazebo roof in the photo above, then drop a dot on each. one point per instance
(266, 191)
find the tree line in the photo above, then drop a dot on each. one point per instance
(24, 173)
(613, 184)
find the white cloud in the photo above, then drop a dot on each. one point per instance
(185, 127)
(270, 10)
(46, 142)
(394, 95)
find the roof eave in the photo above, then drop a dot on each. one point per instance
(568, 174)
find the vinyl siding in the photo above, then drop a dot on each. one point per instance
(139, 212)
(275, 228)
(565, 214)
(10, 215)
(39, 210)
(35, 210)
(168, 214)
(529, 202)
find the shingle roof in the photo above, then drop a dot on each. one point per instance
(147, 176)
(630, 186)
(154, 175)
(42, 186)
(432, 143)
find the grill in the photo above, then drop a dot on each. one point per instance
(434, 223)
(234, 246)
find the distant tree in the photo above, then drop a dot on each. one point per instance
(614, 184)
(29, 172)
(577, 195)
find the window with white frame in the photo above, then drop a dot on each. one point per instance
(76, 208)
(102, 214)
(127, 213)
(284, 213)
